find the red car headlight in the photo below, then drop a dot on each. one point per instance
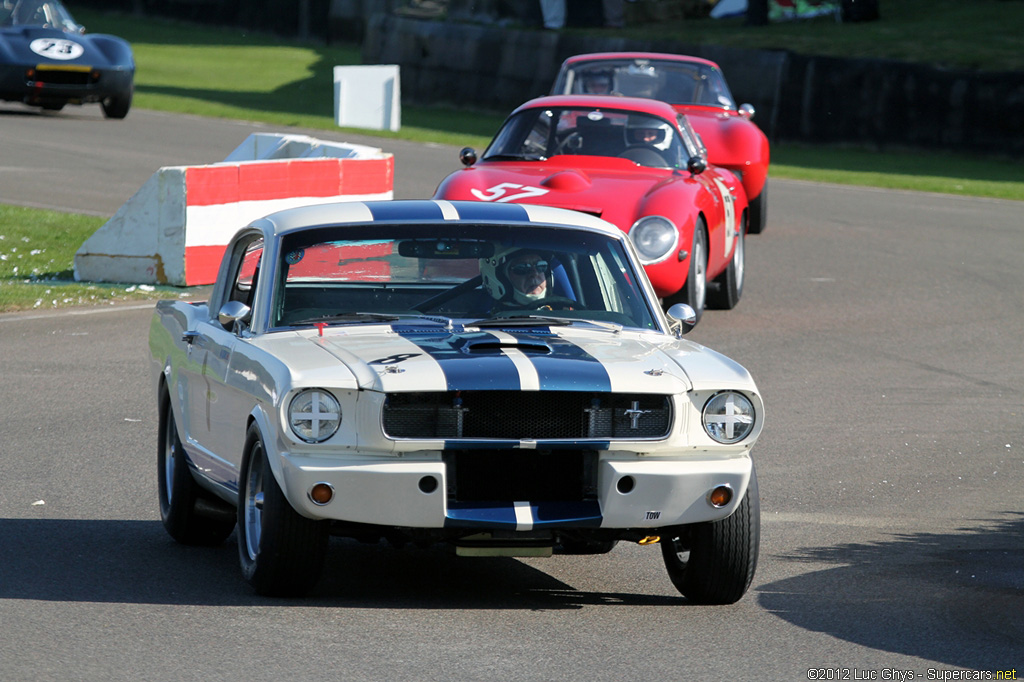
(654, 237)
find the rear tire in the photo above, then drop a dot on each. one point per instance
(759, 211)
(182, 501)
(281, 552)
(714, 562)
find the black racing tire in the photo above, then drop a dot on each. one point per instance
(695, 291)
(714, 562)
(759, 211)
(189, 514)
(727, 288)
(117, 106)
(281, 552)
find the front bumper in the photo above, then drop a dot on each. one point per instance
(62, 84)
(630, 492)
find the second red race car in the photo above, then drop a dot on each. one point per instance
(636, 163)
(695, 87)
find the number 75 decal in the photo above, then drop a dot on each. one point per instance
(500, 193)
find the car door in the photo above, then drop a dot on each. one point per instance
(214, 411)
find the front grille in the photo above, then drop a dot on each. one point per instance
(519, 415)
(534, 475)
(61, 77)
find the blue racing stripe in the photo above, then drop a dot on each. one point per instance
(502, 515)
(465, 371)
(570, 368)
(567, 514)
(405, 210)
(480, 515)
(474, 210)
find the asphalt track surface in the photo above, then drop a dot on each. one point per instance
(885, 332)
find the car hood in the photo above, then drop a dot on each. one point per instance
(16, 47)
(393, 358)
(612, 189)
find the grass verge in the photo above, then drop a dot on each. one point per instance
(37, 252)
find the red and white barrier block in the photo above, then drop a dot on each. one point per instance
(175, 228)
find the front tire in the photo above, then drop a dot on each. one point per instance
(189, 515)
(694, 292)
(281, 552)
(714, 562)
(728, 286)
(117, 106)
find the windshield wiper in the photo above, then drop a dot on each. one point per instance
(348, 317)
(550, 320)
(361, 317)
(521, 321)
(516, 157)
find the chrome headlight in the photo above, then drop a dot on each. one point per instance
(314, 415)
(654, 238)
(728, 417)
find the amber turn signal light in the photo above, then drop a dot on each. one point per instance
(720, 496)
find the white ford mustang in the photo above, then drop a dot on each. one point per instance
(498, 377)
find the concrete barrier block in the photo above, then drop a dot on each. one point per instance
(175, 228)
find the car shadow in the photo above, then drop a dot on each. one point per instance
(955, 598)
(137, 562)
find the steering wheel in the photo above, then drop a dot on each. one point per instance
(572, 141)
(645, 155)
(556, 303)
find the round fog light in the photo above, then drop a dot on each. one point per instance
(321, 493)
(720, 496)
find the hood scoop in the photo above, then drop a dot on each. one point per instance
(495, 347)
(567, 181)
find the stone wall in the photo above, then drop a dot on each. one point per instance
(876, 103)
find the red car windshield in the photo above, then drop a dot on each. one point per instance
(538, 134)
(675, 82)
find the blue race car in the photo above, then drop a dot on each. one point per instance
(47, 60)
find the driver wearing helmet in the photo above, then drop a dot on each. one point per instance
(521, 279)
(597, 83)
(644, 130)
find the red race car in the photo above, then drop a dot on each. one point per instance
(695, 87)
(636, 163)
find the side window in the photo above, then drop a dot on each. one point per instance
(243, 288)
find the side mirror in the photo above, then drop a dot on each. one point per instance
(232, 313)
(682, 317)
(747, 111)
(696, 165)
(467, 156)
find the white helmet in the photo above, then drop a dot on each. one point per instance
(494, 273)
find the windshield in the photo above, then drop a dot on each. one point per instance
(675, 82)
(46, 13)
(436, 273)
(540, 133)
